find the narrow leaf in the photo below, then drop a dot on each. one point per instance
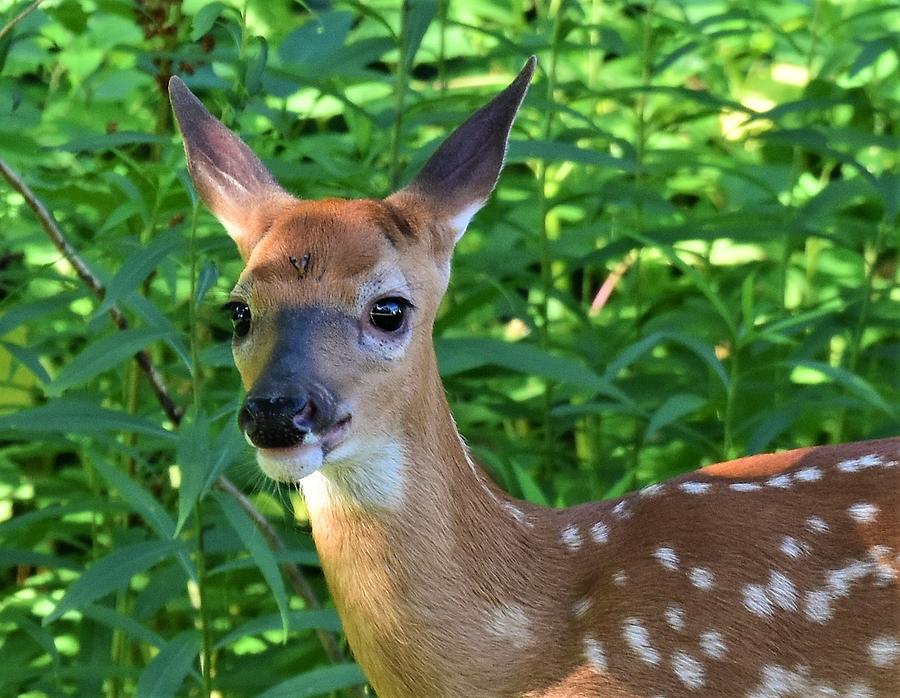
(165, 673)
(259, 550)
(318, 682)
(673, 408)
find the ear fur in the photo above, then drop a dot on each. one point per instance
(231, 180)
(458, 179)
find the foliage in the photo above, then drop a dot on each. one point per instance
(729, 168)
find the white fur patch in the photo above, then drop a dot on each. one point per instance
(652, 490)
(667, 557)
(884, 651)
(461, 220)
(745, 486)
(688, 670)
(756, 600)
(571, 537)
(595, 654)
(621, 510)
(782, 482)
(675, 617)
(582, 606)
(600, 532)
(702, 578)
(373, 479)
(791, 547)
(712, 642)
(638, 639)
(816, 524)
(620, 579)
(782, 591)
(810, 474)
(695, 487)
(510, 622)
(863, 512)
(853, 465)
(818, 606)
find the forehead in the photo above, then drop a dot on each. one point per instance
(326, 246)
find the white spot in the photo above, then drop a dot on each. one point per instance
(817, 524)
(638, 639)
(675, 617)
(517, 514)
(756, 600)
(777, 681)
(884, 651)
(571, 537)
(595, 654)
(854, 464)
(858, 690)
(600, 532)
(688, 670)
(782, 482)
(745, 486)
(621, 510)
(839, 580)
(582, 606)
(667, 557)
(818, 606)
(810, 474)
(510, 622)
(863, 512)
(695, 487)
(712, 642)
(885, 573)
(793, 548)
(619, 579)
(651, 490)
(782, 591)
(702, 578)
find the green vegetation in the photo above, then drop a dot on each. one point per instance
(728, 167)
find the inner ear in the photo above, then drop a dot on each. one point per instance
(233, 183)
(458, 179)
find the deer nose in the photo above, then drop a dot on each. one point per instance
(277, 422)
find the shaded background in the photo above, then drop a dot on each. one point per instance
(722, 174)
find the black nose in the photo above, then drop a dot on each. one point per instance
(277, 422)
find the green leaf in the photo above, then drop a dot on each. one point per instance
(138, 267)
(852, 383)
(205, 19)
(673, 408)
(111, 618)
(27, 313)
(259, 551)
(165, 673)
(102, 355)
(419, 16)
(318, 682)
(193, 456)
(207, 278)
(136, 496)
(77, 416)
(112, 573)
(324, 619)
(459, 355)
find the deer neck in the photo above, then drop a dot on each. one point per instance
(450, 572)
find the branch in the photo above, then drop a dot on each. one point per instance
(18, 18)
(293, 572)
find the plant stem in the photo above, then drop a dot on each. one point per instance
(399, 97)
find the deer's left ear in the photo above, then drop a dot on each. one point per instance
(458, 179)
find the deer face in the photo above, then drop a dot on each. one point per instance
(333, 312)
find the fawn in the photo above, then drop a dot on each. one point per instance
(772, 575)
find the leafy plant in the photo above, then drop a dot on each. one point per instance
(692, 255)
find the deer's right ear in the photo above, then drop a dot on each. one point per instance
(230, 179)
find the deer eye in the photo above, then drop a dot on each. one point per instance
(240, 318)
(388, 314)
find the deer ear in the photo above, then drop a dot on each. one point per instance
(230, 179)
(458, 179)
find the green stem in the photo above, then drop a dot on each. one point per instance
(399, 97)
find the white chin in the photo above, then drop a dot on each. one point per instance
(290, 464)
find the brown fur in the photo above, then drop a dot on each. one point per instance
(448, 587)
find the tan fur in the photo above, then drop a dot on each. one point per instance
(773, 575)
